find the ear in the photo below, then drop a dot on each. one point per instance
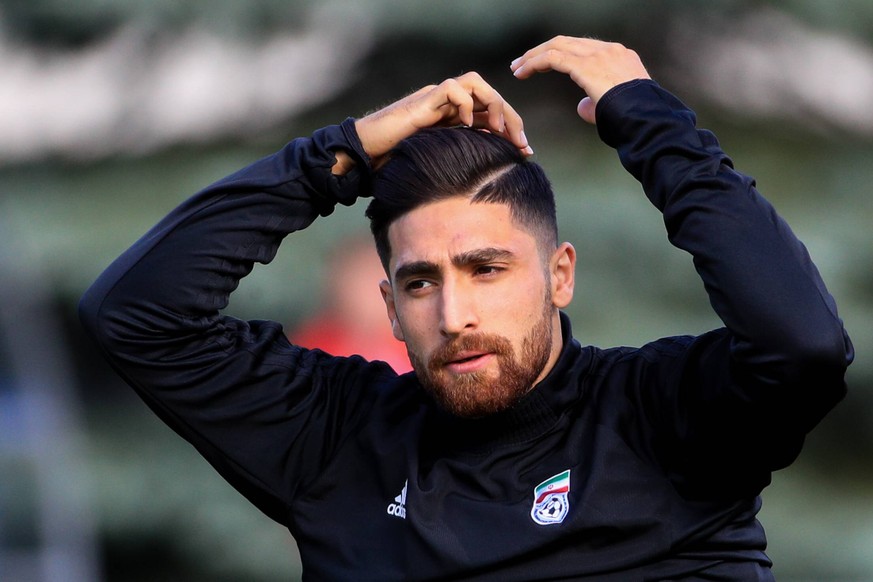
(562, 268)
(388, 297)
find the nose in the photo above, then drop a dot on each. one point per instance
(458, 309)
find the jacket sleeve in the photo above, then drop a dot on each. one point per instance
(749, 393)
(264, 413)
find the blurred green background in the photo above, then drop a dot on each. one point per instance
(113, 112)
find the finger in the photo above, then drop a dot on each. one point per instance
(485, 97)
(513, 132)
(464, 99)
(460, 98)
(501, 118)
(519, 66)
(585, 109)
(488, 117)
(515, 129)
(552, 49)
(550, 60)
(493, 104)
(470, 100)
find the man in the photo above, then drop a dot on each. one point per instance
(511, 452)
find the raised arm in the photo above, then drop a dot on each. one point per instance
(266, 414)
(760, 278)
(779, 366)
(229, 387)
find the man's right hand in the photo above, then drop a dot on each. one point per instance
(465, 100)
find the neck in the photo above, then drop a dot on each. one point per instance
(555, 350)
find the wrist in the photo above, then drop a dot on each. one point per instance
(352, 154)
(370, 141)
(343, 165)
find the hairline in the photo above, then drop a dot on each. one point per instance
(546, 243)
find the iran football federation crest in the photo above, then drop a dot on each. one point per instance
(552, 500)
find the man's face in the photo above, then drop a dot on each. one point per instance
(475, 302)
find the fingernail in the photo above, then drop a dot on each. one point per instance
(528, 150)
(523, 137)
(514, 63)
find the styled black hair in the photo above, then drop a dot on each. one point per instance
(436, 164)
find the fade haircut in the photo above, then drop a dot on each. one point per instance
(437, 164)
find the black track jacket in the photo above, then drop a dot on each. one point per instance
(623, 464)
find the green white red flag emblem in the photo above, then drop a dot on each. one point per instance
(551, 499)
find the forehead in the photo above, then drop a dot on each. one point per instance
(439, 230)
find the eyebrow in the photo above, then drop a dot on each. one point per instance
(415, 269)
(480, 256)
(465, 259)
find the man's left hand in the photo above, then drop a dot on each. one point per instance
(594, 65)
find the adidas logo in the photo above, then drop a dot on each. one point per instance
(398, 508)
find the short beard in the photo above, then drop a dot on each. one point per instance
(476, 394)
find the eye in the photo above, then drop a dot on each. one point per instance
(417, 285)
(488, 270)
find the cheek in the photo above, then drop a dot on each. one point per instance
(413, 324)
(521, 302)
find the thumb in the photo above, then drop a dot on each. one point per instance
(585, 109)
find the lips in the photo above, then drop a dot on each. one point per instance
(467, 362)
(469, 353)
(465, 356)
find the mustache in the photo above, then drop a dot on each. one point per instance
(478, 343)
